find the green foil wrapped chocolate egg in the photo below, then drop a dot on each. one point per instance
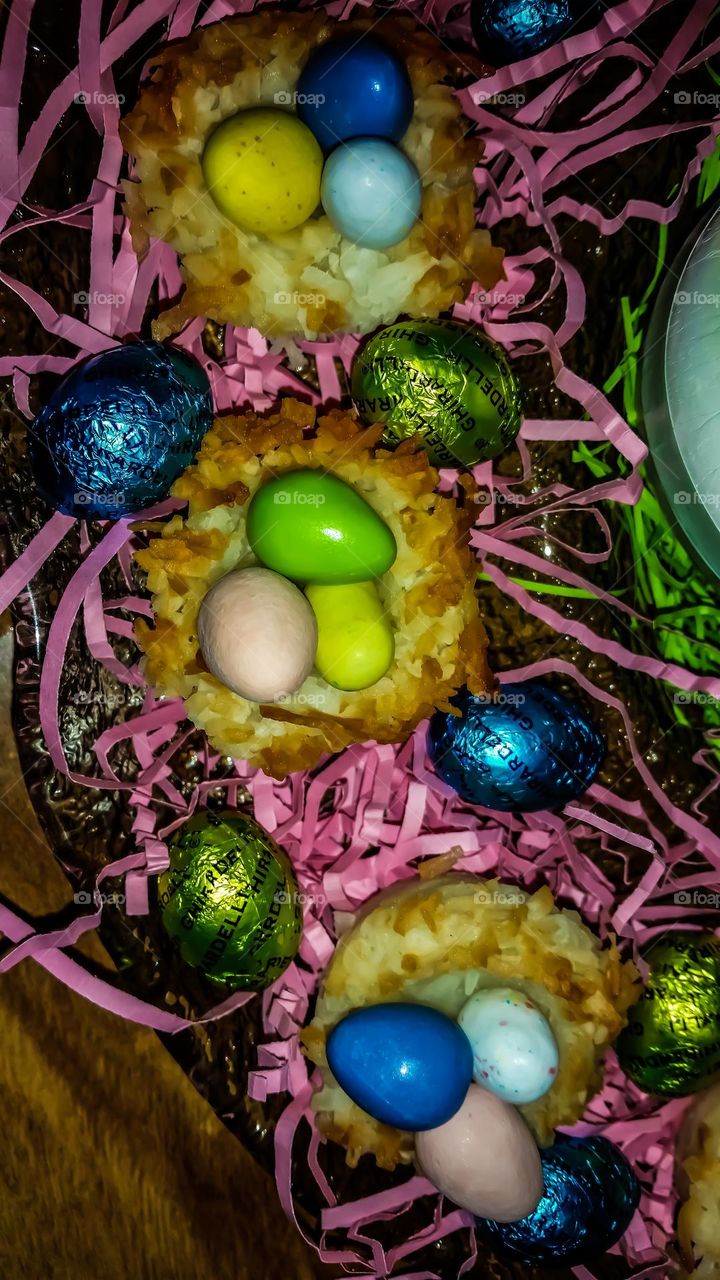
(671, 1045)
(444, 380)
(229, 900)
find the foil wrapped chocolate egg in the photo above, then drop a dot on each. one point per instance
(229, 901)
(671, 1044)
(119, 430)
(507, 30)
(445, 381)
(526, 748)
(590, 1196)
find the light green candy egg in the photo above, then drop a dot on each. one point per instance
(311, 526)
(355, 639)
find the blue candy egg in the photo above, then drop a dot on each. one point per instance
(119, 430)
(590, 1196)
(351, 85)
(371, 192)
(507, 30)
(405, 1064)
(530, 748)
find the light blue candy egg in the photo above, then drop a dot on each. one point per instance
(371, 192)
(514, 1050)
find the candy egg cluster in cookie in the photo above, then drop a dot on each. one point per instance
(260, 635)
(318, 591)
(313, 178)
(459, 1023)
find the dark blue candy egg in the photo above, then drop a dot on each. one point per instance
(354, 85)
(529, 748)
(405, 1064)
(507, 30)
(119, 430)
(590, 1196)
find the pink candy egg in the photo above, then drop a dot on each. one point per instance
(484, 1158)
(257, 634)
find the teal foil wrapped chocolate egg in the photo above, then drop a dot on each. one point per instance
(590, 1196)
(120, 429)
(525, 749)
(507, 30)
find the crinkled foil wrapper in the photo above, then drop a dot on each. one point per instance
(443, 381)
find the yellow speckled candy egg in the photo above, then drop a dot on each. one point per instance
(263, 168)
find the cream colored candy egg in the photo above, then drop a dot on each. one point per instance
(484, 1158)
(257, 634)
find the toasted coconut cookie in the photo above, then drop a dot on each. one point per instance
(437, 942)
(698, 1156)
(428, 593)
(311, 280)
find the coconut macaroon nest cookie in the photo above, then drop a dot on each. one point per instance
(427, 595)
(310, 280)
(698, 1157)
(438, 942)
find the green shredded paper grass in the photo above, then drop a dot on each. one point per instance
(667, 584)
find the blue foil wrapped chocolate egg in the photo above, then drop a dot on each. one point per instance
(507, 30)
(406, 1065)
(590, 1196)
(119, 430)
(527, 748)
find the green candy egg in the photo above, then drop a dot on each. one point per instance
(355, 640)
(671, 1045)
(229, 900)
(313, 527)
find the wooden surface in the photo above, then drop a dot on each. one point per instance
(113, 1167)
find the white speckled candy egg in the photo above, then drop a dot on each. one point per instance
(514, 1051)
(257, 634)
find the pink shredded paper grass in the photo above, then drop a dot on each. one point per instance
(386, 799)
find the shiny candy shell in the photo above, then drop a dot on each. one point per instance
(530, 748)
(484, 1158)
(514, 1050)
(671, 1044)
(371, 192)
(262, 168)
(354, 85)
(119, 430)
(230, 900)
(407, 1065)
(257, 634)
(356, 645)
(313, 527)
(590, 1195)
